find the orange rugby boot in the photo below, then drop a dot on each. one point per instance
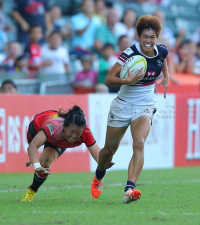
(131, 195)
(97, 187)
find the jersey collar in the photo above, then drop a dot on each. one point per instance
(137, 45)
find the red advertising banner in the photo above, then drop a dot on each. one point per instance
(187, 135)
(16, 112)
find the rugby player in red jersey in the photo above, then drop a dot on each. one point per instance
(56, 131)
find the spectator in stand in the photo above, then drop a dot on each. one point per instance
(56, 54)
(193, 50)
(9, 87)
(33, 51)
(167, 33)
(197, 61)
(185, 60)
(3, 40)
(193, 47)
(55, 15)
(104, 67)
(4, 24)
(84, 26)
(26, 13)
(170, 60)
(105, 33)
(196, 36)
(13, 52)
(123, 44)
(86, 79)
(21, 64)
(101, 88)
(2, 57)
(156, 2)
(101, 10)
(126, 27)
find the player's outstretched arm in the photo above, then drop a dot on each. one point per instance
(94, 151)
(37, 141)
(165, 80)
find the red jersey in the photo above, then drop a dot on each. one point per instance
(34, 52)
(52, 125)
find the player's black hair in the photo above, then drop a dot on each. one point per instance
(74, 116)
(9, 82)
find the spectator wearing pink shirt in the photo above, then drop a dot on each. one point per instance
(86, 79)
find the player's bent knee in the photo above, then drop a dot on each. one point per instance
(138, 144)
(45, 162)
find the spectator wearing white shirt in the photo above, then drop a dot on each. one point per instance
(127, 26)
(57, 54)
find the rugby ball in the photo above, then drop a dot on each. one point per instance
(135, 63)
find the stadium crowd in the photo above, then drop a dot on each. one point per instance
(35, 39)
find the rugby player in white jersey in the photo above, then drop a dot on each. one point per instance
(135, 104)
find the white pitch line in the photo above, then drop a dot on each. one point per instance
(108, 185)
(63, 187)
(136, 213)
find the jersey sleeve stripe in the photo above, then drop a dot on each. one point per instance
(91, 145)
(123, 57)
(123, 60)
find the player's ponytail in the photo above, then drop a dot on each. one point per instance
(74, 116)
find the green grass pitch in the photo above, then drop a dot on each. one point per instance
(170, 196)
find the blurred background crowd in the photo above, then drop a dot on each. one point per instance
(68, 46)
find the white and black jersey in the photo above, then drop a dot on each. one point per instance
(142, 92)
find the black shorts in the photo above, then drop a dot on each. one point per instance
(31, 134)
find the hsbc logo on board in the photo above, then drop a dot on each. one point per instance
(151, 73)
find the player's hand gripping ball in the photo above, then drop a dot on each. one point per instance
(135, 63)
